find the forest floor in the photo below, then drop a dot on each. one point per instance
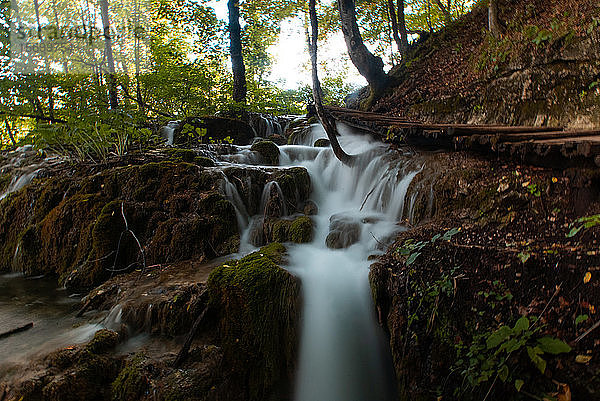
(452, 75)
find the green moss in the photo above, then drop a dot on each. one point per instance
(5, 180)
(27, 252)
(322, 143)
(299, 230)
(268, 150)
(204, 161)
(258, 303)
(294, 183)
(181, 155)
(131, 383)
(104, 340)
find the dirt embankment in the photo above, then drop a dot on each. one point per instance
(544, 70)
(489, 295)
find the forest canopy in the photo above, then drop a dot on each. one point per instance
(75, 69)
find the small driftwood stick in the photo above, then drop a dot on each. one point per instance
(16, 330)
(183, 353)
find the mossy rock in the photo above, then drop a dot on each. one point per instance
(5, 180)
(300, 230)
(295, 185)
(204, 161)
(132, 382)
(322, 143)
(268, 150)
(104, 340)
(181, 155)
(258, 306)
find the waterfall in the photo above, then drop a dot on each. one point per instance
(343, 354)
(268, 196)
(20, 181)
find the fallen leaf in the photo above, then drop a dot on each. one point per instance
(554, 180)
(583, 358)
(587, 277)
(564, 392)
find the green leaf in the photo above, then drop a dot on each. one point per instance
(524, 257)
(498, 337)
(503, 373)
(580, 319)
(553, 346)
(521, 325)
(411, 259)
(574, 231)
(534, 355)
(519, 384)
(450, 233)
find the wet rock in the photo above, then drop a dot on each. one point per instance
(269, 152)
(310, 208)
(343, 232)
(104, 340)
(193, 131)
(257, 305)
(88, 226)
(294, 184)
(71, 374)
(322, 143)
(299, 230)
(277, 139)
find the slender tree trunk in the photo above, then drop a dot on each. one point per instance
(368, 65)
(110, 61)
(9, 131)
(394, 22)
(49, 87)
(402, 28)
(327, 124)
(138, 86)
(493, 22)
(235, 49)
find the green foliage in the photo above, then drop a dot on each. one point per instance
(583, 223)
(91, 138)
(494, 354)
(411, 250)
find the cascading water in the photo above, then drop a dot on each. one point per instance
(342, 353)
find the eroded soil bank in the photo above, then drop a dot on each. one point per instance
(476, 297)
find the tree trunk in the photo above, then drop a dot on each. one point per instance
(235, 49)
(394, 22)
(10, 133)
(494, 23)
(402, 29)
(50, 89)
(327, 124)
(110, 61)
(368, 65)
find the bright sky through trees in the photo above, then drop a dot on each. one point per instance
(291, 67)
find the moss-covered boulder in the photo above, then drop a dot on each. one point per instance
(322, 143)
(87, 227)
(268, 151)
(71, 374)
(132, 382)
(299, 230)
(258, 304)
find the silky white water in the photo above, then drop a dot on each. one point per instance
(343, 355)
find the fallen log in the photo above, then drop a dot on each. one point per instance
(16, 330)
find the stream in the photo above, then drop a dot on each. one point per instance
(343, 352)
